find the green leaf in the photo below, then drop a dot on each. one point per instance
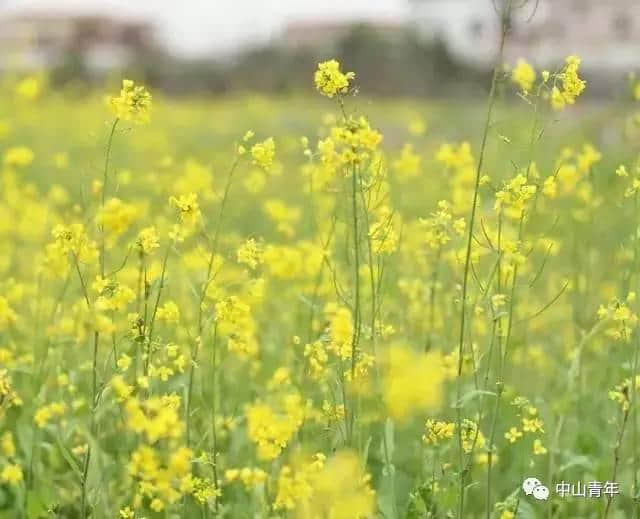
(68, 456)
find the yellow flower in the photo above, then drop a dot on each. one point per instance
(7, 446)
(250, 254)
(417, 127)
(341, 332)
(29, 88)
(330, 80)
(557, 99)
(523, 75)
(271, 428)
(116, 216)
(127, 513)
(120, 387)
(412, 382)
(339, 490)
(74, 239)
(18, 156)
(408, 164)
(147, 240)
(436, 432)
(157, 505)
(188, 207)
(124, 362)
(550, 187)
(532, 425)
(621, 171)
(538, 448)
(513, 435)
(513, 197)
(46, 413)
(384, 239)
(471, 436)
(11, 474)
(263, 153)
(133, 103)
(571, 84)
(352, 142)
(169, 312)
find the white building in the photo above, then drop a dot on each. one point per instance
(604, 33)
(43, 39)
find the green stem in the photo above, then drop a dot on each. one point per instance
(94, 392)
(214, 382)
(432, 300)
(155, 310)
(356, 281)
(467, 262)
(512, 304)
(634, 374)
(105, 178)
(203, 293)
(616, 456)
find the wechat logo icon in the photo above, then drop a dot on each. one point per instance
(534, 487)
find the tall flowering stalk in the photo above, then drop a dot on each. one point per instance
(132, 104)
(467, 261)
(351, 146)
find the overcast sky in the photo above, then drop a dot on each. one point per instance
(202, 26)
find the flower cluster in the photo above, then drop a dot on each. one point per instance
(132, 104)
(330, 80)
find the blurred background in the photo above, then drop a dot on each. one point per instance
(398, 47)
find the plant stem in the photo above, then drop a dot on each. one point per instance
(616, 456)
(214, 382)
(634, 374)
(467, 263)
(105, 178)
(203, 293)
(96, 335)
(155, 310)
(432, 300)
(512, 304)
(94, 391)
(356, 281)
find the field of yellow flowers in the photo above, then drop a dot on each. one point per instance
(329, 308)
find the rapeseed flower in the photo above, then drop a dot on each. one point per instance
(132, 104)
(330, 80)
(11, 474)
(571, 84)
(18, 156)
(263, 153)
(412, 382)
(339, 489)
(524, 76)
